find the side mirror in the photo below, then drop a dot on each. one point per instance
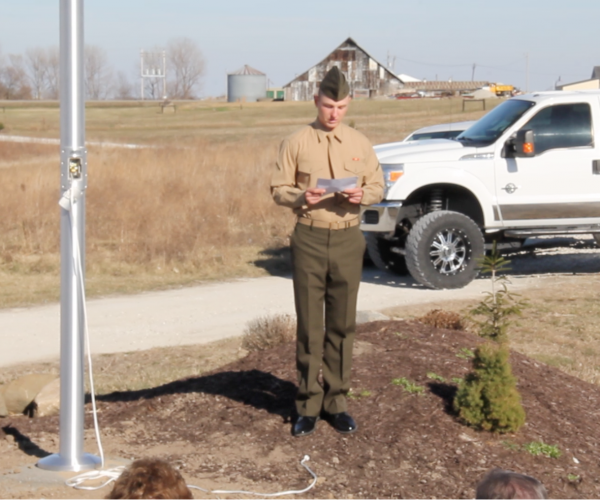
(524, 146)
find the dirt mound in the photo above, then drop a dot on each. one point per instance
(231, 429)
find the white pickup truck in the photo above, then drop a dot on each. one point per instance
(529, 167)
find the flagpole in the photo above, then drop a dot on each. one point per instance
(73, 182)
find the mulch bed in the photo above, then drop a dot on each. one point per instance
(409, 445)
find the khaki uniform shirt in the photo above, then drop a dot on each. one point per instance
(304, 158)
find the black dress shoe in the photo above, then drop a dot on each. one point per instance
(304, 426)
(341, 422)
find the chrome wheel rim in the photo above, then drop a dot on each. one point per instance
(449, 251)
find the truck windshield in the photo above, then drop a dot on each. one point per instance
(487, 130)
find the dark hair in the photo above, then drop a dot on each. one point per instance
(499, 483)
(150, 478)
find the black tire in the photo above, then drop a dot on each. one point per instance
(381, 254)
(443, 250)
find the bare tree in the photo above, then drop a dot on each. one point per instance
(52, 72)
(13, 79)
(186, 67)
(43, 69)
(124, 87)
(153, 88)
(98, 73)
(36, 65)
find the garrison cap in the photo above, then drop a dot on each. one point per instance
(334, 85)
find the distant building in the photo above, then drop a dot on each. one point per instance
(443, 87)
(592, 84)
(366, 76)
(276, 93)
(407, 78)
(246, 85)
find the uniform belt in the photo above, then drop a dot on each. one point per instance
(344, 224)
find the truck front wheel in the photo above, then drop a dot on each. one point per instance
(443, 248)
(381, 253)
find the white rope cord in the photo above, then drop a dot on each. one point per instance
(77, 261)
(265, 495)
(94, 475)
(113, 474)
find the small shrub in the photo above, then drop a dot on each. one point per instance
(537, 448)
(488, 398)
(408, 386)
(435, 376)
(1, 125)
(268, 331)
(438, 318)
(359, 394)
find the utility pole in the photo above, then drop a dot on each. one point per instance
(153, 65)
(73, 183)
(391, 62)
(473, 73)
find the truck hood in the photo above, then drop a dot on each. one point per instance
(429, 150)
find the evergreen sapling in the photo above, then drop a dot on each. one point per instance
(488, 398)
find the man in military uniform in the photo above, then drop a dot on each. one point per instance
(327, 249)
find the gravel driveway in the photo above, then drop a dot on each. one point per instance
(214, 311)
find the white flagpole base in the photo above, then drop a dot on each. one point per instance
(57, 462)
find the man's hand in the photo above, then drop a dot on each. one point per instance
(354, 195)
(313, 196)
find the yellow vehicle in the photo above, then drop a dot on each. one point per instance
(502, 90)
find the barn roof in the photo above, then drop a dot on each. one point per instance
(349, 41)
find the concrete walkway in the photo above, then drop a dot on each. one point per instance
(195, 315)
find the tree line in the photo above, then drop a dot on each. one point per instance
(36, 74)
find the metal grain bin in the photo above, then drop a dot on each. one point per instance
(246, 84)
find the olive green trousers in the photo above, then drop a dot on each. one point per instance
(327, 267)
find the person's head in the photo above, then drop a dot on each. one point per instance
(333, 99)
(500, 483)
(150, 478)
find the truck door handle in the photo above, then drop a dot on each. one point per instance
(510, 188)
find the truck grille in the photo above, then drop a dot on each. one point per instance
(371, 217)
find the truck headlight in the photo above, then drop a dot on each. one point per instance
(391, 173)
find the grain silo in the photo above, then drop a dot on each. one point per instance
(246, 84)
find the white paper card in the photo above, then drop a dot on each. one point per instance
(336, 185)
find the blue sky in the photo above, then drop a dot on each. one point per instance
(429, 38)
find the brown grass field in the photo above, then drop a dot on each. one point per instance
(195, 206)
